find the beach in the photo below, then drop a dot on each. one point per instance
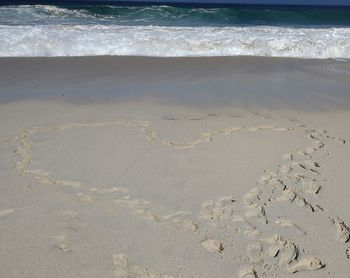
(174, 167)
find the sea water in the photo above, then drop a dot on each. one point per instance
(164, 31)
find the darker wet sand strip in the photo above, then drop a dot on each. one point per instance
(240, 81)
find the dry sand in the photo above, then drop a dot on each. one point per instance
(246, 177)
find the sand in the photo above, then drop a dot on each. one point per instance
(148, 167)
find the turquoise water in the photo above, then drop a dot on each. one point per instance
(174, 16)
(164, 31)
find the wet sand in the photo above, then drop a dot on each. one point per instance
(253, 81)
(151, 167)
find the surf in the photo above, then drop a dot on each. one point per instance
(163, 31)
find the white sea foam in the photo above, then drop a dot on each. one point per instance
(86, 40)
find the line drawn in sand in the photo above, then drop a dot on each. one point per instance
(279, 186)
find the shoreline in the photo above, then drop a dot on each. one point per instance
(267, 82)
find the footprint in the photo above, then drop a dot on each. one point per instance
(177, 214)
(213, 245)
(310, 185)
(285, 169)
(255, 252)
(306, 167)
(275, 243)
(273, 250)
(42, 176)
(206, 137)
(145, 210)
(256, 211)
(44, 180)
(252, 195)
(139, 207)
(228, 130)
(179, 146)
(277, 184)
(253, 233)
(318, 145)
(308, 264)
(266, 178)
(239, 219)
(307, 151)
(289, 224)
(74, 184)
(85, 198)
(247, 273)
(122, 268)
(288, 253)
(288, 195)
(109, 190)
(341, 141)
(151, 134)
(6, 212)
(342, 230)
(63, 244)
(288, 156)
(184, 224)
(301, 201)
(218, 211)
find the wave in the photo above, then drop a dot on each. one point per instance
(92, 40)
(172, 16)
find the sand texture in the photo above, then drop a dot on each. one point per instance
(147, 189)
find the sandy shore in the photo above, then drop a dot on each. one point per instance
(252, 81)
(150, 167)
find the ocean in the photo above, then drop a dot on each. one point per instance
(164, 31)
